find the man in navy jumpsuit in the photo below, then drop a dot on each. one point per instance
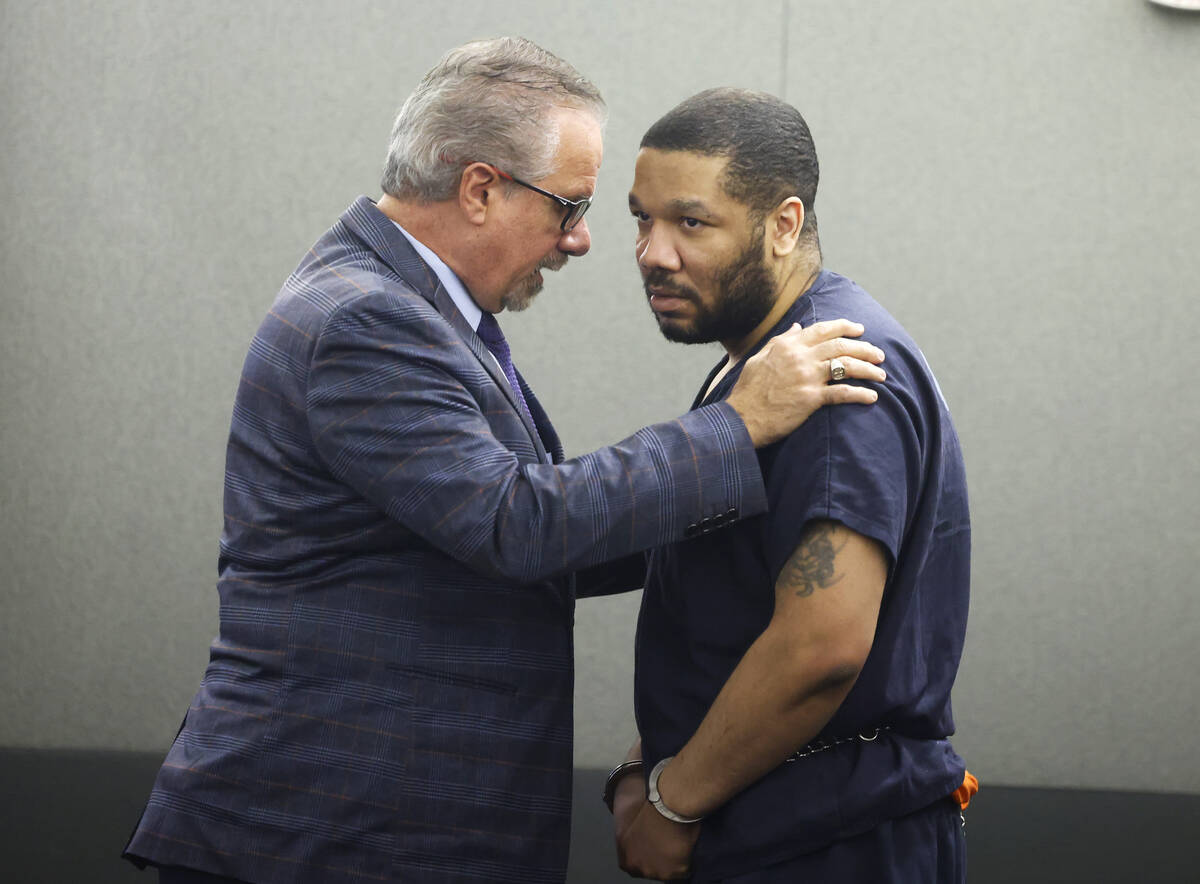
(793, 670)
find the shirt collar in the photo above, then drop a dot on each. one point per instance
(449, 280)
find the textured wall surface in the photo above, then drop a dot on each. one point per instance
(1016, 180)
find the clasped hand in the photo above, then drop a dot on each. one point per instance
(648, 844)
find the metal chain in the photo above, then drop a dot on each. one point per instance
(822, 745)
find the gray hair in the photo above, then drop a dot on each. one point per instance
(486, 101)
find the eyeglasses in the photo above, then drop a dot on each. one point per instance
(573, 210)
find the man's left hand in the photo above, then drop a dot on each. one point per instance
(651, 846)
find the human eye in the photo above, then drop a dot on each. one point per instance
(640, 216)
(691, 223)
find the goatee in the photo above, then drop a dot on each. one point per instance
(521, 296)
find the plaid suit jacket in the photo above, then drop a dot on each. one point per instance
(390, 694)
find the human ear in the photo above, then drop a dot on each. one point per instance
(784, 225)
(476, 188)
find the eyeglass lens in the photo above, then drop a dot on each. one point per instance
(575, 214)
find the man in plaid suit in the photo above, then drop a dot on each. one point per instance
(390, 694)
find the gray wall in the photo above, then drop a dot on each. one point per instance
(1016, 179)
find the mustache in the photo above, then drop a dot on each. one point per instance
(556, 261)
(658, 279)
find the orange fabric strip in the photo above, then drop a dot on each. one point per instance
(964, 792)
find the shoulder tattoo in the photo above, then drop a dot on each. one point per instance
(811, 565)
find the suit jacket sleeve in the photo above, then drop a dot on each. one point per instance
(396, 409)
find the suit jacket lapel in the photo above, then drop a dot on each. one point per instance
(545, 428)
(377, 231)
(445, 305)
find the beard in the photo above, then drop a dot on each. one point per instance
(745, 294)
(521, 295)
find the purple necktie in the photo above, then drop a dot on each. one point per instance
(489, 332)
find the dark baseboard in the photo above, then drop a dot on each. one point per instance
(65, 815)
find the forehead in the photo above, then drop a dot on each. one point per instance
(680, 177)
(580, 151)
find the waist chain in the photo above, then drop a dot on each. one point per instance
(822, 745)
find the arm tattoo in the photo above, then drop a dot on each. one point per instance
(811, 565)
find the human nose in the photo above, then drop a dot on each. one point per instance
(655, 250)
(577, 240)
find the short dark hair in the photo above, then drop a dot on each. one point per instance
(768, 145)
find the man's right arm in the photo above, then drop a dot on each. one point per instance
(391, 417)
